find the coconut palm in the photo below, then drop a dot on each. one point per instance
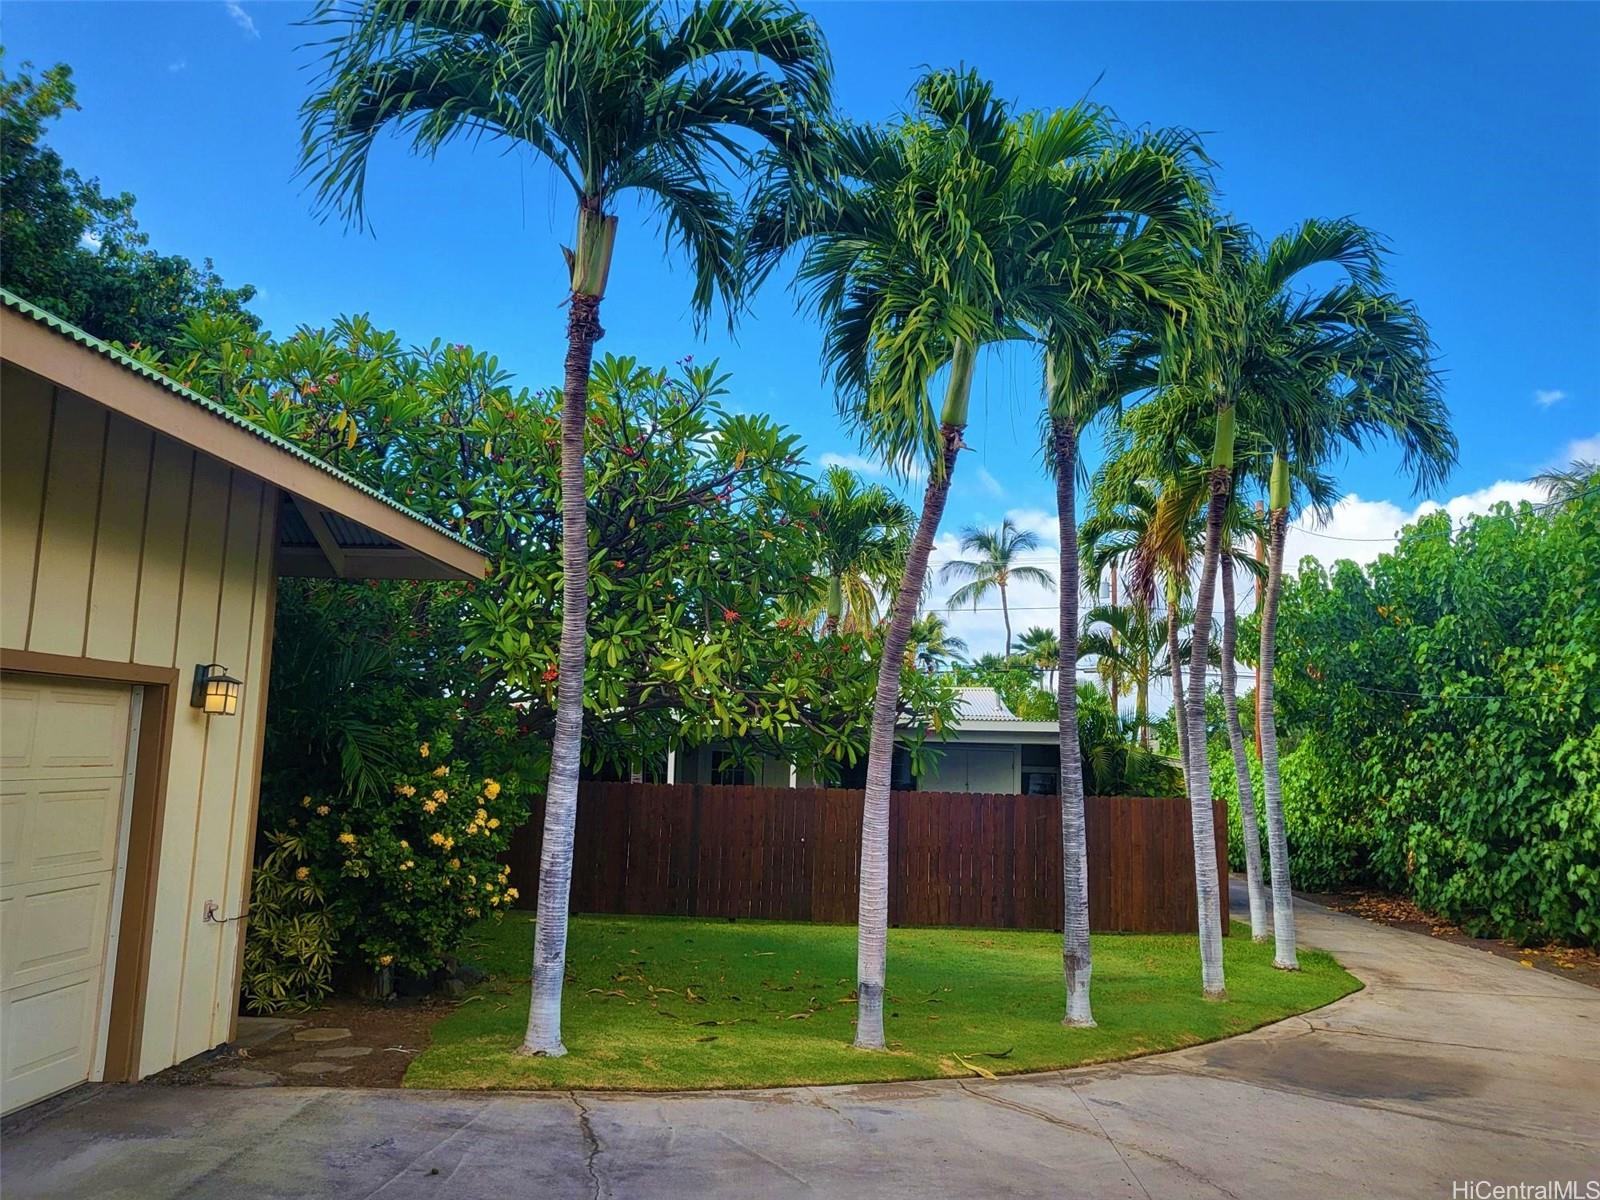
(618, 98)
(862, 531)
(1042, 649)
(931, 646)
(1352, 366)
(996, 566)
(927, 249)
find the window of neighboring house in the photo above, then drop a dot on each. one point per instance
(1041, 770)
(724, 769)
(900, 777)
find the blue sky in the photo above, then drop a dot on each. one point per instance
(1468, 134)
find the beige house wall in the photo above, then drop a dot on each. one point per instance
(121, 544)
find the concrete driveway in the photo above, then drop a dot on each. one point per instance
(1453, 1065)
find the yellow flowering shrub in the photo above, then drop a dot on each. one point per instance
(395, 865)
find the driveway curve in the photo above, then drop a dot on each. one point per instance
(1453, 1066)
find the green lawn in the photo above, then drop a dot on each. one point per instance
(663, 1003)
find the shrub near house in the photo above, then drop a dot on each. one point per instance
(379, 879)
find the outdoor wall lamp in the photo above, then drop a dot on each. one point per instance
(216, 693)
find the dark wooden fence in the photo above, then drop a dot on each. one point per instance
(955, 858)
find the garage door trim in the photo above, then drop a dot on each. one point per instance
(131, 970)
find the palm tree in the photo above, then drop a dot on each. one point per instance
(926, 249)
(994, 569)
(1042, 648)
(931, 646)
(1349, 366)
(862, 531)
(1131, 640)
(618, 98)
(1563, 485)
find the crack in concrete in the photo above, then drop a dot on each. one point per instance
(1026, 1110)
(591, 1142)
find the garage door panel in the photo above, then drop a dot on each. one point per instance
(61, 797)
(19, 714)
(54, 930)
(48, 1035)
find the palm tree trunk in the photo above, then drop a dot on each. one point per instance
(1005, 616)
(590, 266)
(1141, 709)
(872, 922)
(835, 606)
(1249, 831)
(1075, 953)
(1284, 955)
(1180, 723)
(1111, 682)
(1201, 823)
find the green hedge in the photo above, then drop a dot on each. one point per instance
(1440, 714)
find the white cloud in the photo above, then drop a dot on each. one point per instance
(1545, 397)
(989, 483)
(176, 65)
(241, 18)
(1361, 530)
(1030, 603)
(863, 465)
(1582, 449)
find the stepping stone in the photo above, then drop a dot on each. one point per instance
(244, 1077)
(318, 1068)
(325, 1034)
(255, 1031)
(345, 1052)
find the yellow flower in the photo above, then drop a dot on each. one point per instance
(429, 806)
(491, 789)
(455, 864)
(471, 829)
(440, 795)
(472, 879)
(348, 838)
(323, 810)
(407, 865)
(303, 873)
(512, 894)
(480, 815)
(305, 802)
(494, 822)
(449, 842)
(423, 749)
(437, 839)
(385, 959)
(405, 789)
(441, 771)
(472, 912)
(495, 900)
(404, 845)
(489, 887)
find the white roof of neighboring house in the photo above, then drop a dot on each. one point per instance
(983, 704)
(982, 711)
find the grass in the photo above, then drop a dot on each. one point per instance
(662, 1003)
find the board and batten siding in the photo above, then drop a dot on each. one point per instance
(119, 543)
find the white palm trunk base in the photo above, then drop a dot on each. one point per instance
(1249, 831)
(1076, 960)
(1285, 954)
(872, 922)
(1202, 822)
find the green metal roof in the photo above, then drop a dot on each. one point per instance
(34, 313)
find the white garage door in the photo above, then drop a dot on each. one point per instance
(65, 769)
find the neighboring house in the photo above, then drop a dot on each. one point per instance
(142, 531)
(987, 748)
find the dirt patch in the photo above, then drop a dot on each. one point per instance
(390, 1034)
(1579, 963)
